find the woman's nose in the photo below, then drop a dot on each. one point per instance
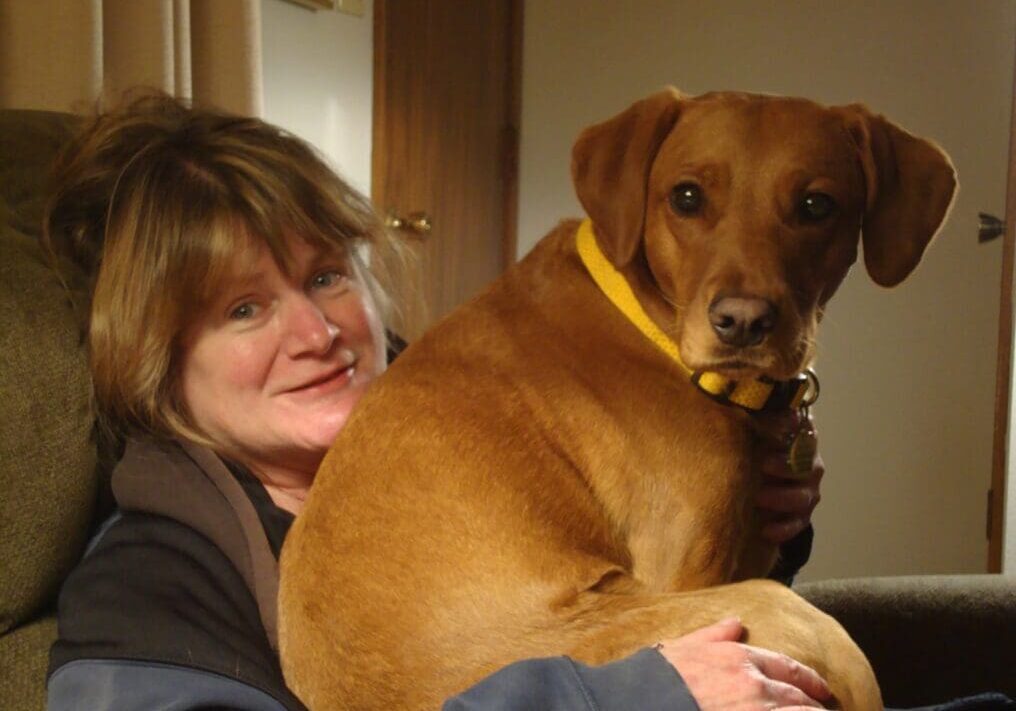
(308, 329)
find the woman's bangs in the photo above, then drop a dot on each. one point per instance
(220, 251)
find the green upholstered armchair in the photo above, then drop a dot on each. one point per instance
(48, 457)
(928, 637)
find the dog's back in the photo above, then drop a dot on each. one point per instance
(462, 479)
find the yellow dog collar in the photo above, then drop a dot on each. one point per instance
(756, 394)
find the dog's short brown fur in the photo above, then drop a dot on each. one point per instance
(534, 477)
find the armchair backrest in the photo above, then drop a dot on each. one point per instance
(48, 453)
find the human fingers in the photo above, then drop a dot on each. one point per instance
(787, 506)
(722, 676)
(790, 672)
(783, 530)
(775, 464)
(787, 498)
(782, 500)
(775, 427)
(783, 696)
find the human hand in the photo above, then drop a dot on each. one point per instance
(722, 673)
(785, 500)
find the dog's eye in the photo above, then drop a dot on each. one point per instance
(816, 207)
(686, 199)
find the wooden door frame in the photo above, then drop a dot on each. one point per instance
(1003, 377)
(510, 139)
(510, 161)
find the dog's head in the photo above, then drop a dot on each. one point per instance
(744, 213)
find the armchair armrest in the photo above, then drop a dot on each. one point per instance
(930, 638)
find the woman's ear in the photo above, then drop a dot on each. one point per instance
(610, 170)
(910, 187)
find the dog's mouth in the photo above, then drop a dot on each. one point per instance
(767, 365)
(735, 365)
(753, 363)
(735, 368)
(781, 355)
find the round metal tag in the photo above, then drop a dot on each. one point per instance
(801, 456)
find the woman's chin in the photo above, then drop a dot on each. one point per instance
(322, 429)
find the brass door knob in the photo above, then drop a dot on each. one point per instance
(417, 222)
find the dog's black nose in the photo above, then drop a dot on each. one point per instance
(742, 321)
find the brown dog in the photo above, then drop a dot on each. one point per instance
(536, 477)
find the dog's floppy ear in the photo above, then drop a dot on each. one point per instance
(610, 169)
(910, 187)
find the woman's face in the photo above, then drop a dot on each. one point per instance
(272, 368)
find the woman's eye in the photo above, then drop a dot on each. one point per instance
(243, 312)
(687, 199)
(329, 278)
(816, 207)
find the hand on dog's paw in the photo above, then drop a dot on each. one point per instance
(722, 673)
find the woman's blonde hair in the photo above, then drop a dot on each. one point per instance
(157, 201)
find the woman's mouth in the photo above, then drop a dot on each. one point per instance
(327, 382)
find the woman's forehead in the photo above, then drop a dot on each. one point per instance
(252, 255)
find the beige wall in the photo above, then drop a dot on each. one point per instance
(318, 69)
(908, 375)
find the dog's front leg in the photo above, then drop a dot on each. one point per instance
(692, 553)
(689, 520)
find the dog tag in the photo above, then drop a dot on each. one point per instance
(804, 445)
(803, 448)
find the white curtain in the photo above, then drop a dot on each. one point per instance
(72, 55)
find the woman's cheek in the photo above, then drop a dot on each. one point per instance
(251, 359)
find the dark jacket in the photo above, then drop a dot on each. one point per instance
(174, 607)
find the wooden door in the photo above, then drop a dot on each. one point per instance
(1003, 438)
(445, 144)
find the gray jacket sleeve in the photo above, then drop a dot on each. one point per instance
(642, 681)
(125, 685)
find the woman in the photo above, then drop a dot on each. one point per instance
(233, 328)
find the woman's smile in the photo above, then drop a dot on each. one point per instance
(330, 382)
(327, 381)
